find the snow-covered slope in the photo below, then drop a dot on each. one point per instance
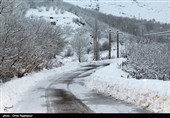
(140, 9)
(60, 17)
(66, 20)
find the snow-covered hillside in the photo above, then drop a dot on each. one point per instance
(140, 9)
(60, 17)
(66, 20)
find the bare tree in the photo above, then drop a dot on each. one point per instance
(80, 44)
(26, 44)
(5, 5)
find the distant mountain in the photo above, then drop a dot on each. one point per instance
(159, 10)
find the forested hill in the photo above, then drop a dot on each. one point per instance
(133, 26)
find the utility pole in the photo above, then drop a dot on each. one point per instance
(117, 44)
(110, 47)
(96, 40)
(158, 33)
(110, 43)
(96, 37)
(118, 52)
(1, 82)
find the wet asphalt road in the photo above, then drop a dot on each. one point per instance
(60, 99)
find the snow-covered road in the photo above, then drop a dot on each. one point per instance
(97, 102)
(67, 93)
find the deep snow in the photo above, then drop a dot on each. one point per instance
(151, 94)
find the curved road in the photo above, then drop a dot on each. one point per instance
(61, 99)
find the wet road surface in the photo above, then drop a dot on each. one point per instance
(60, 99)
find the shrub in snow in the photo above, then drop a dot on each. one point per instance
(40, 9)
(68, 30)
(54, 7)
(104, 58)
(121, 42)
(58, 8)
(31, 16)
(47, 8)
(89, 49)
(151, 60)
(53, 23)
(62, 11)
(69, 52)
(32, 4)
(53, 64)
(105, 46)
(100, 46)
(56, 12)
(76, 20)
(6, 75)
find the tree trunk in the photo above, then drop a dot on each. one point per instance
(79, 58)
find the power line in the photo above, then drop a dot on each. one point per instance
(158, 33)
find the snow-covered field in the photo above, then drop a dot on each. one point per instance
(140, 9)
(151, 94)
